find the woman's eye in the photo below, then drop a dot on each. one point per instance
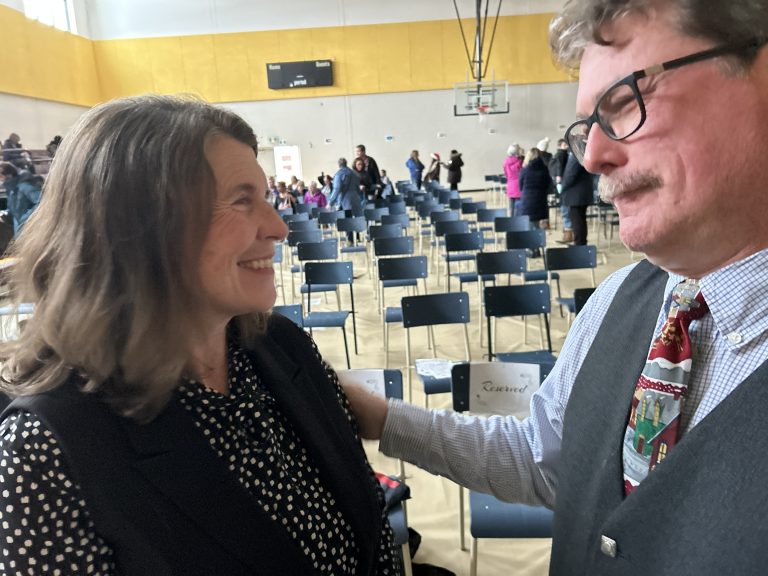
(244, 201)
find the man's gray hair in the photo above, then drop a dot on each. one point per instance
(723, 22)
(342, 161)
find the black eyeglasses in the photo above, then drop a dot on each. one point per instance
(620, 111)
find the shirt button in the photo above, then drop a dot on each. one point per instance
(608, 546)
(735, 337)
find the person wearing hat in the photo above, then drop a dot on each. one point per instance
(543, 146)
(433, 172)
(512, 166)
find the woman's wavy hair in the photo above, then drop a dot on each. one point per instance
(110, 257)
(723, 22)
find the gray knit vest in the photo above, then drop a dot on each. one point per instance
(702, 511)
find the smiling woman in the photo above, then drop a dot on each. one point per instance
(159, 421)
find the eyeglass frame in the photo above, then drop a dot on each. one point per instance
(631, 81)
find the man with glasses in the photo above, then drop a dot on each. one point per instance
(646, 438)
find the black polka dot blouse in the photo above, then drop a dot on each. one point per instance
(45, 527)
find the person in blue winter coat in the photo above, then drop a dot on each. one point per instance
(416, 168)
(23, 190)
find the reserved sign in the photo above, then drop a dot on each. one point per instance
(503, 388)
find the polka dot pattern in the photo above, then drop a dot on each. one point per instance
(45, 527)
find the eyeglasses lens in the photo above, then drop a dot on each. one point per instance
(619, 111)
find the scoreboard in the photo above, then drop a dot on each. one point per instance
(299, 74)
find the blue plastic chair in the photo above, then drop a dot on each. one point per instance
(326, 273)
(523, 300)
(291, 311)
(489, 517)
(432, 310)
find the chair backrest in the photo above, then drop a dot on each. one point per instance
(435, 309)
(427, 207)
(291, 311)
(444, 196)
(375, 214)
(506, 262)
(296, 236)
(512, 224)
(460, 382)
(464, 241)
(580, 297)
(393, 246)
(403, 268)
(352, 224)
(328, 273)
(528, 239)
(303, 208)
(571, 258)
(455, 203)
(451, 227)
(401, 219)
(371, 380)
(444, 216)
(517, 300)
(385, 231)
(302, 225)
(295, 217)
(278, 257)
(329, 217)
(490, 214)
(472, 207)
(396, 208)
(324, 250)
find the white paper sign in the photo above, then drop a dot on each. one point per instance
(437, 368)
(371, 380)
(502, 387)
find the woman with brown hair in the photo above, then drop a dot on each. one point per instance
(163, 422)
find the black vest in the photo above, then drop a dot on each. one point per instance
(167, 504)
(703, 510)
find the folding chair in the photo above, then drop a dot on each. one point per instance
(291, 311)
(523, 300)
(535, 241)
(432, 310)
(402, 272)
(580, 297)
(490, 517)
(353, 225)
(462, 247)
(571, 258)
(490, 264)
(337, 273)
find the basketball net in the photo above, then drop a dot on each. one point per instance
(482, 112)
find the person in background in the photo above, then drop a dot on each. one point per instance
(327, 185)
(53, 146)
(366, 188)
(315, 196)
(271, 194)
(23, 190)
(433, 172)
(556, 171)
(454, 165)
(648, 436)
(346, 190)
(512, 166)
(292, 186)
(415, 168)
(12, 149)
(300, 191)
(165, 422)
(387, 186)
(374, 175)
(543, 147)
(535, 184)
(577, 195)
(284, 200)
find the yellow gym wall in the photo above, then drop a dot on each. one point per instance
(42, 62)
(367, 59)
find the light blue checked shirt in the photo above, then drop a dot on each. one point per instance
(517, 460)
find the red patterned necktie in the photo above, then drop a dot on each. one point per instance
(654, 423)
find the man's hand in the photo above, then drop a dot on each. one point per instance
(369, 409)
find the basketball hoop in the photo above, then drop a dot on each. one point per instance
(482, 112)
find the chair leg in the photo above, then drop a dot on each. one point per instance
(386, 346)
(462, 528)
(346, 347)
(406, 551)
(473, 558)
(408, 364)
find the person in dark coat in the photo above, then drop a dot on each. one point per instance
(454, 169)
(535, 184)
(433, 172)
(371, 168)
(577, 195)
